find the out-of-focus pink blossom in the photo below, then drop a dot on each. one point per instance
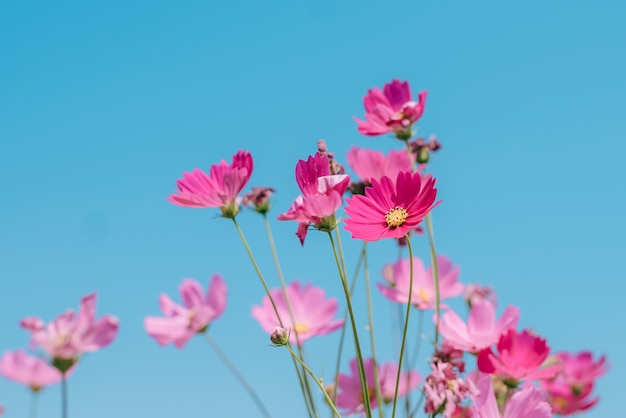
(391, 110)
(70, 335)
(368, 164)
(218, 189)
(445, 390)
(350, 397)
(321, 196)
(181, 323)
(422, 149)
(390, 209)
(569, 391)
(258, 199)
(28, 370)
(476, 292)
(521, 356)
(313, 313)
(529, 402)
(481, 330)
(397, 277)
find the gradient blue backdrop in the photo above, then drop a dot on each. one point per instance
(104, 104)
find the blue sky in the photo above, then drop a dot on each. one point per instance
(104, 105)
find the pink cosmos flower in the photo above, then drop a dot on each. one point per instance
(28, 370)
(181, 323)
(520, 357)
(391, 110)
(398, 275)
(445, 390)
(218, 189)
(569, 391)
(368, 164)
(70, 335)
(313, 313)
(529, 402)
(321, 195)
(390, 209)
(475, 292)
(481, 330)
(349, 395)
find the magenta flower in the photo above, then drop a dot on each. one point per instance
(569, 391)
(28, 370)
(529, 402)
(368, 164)
(391, 110)
(313, 313)
(398, 275)
(350, 397)
(520, 357)
(70, 335)
(219, 189)
(388, 209)
(181, 323)
(481, 330)
(321, 196)
(445, 390)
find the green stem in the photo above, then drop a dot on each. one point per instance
(435, 268)
(414, 358)
(370, 315)
(63, 395)
(238, 376)
(406, 325)
(317, 381)
(33, 405)
(344, 283)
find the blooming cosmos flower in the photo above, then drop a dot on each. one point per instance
(445, 389)
(391, 110)
(218, 189)
(398, 275)
(569, 391)
(181, 323)
(520, 356)
(481, 330)
(529, 402)
(390, 209)
(368, 164)
(312, 312)
(28, 370)
(321, 196)
(70, 335)
(350, 397)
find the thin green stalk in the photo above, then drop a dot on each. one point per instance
(63, 395)
(406, 325)
(413, 361)
(238, 376)
(359, 356)
(370, 315)
(304, 382)
(33, 405)
(317, 381)
(435, 267)
(269, 295)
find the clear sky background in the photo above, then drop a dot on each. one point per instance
(104, 104)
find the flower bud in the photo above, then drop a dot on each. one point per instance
(259, 199)
(280, 336)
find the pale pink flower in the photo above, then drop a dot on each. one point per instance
(390, 209)
(445, 390)
(529, 402)
(398, 275)
(258, 199)
(181, 323)
(368, 164)
(70, 335)
(313, 313)
(520, 357)
(350, 397)
(481, 330)
(28, 370)
(321, 196)
(218, 189)
(569, 391)
(476, 292)
(391, 110)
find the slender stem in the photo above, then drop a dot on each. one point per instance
(370, 317)
(435, 267)
(406, 325)
(317, 381)
(414, 358)
(268, 293)
(359, 356)
(33, 405)
(63, 395)
(237, 375)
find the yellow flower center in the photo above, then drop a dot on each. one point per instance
(423, 295)
(300, 327)
(396, 217)
(560, 402)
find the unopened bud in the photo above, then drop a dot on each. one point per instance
(259, 199)
(280, 336)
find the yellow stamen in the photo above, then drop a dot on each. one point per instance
(300, 327)
(396, 217)
(423, 295)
